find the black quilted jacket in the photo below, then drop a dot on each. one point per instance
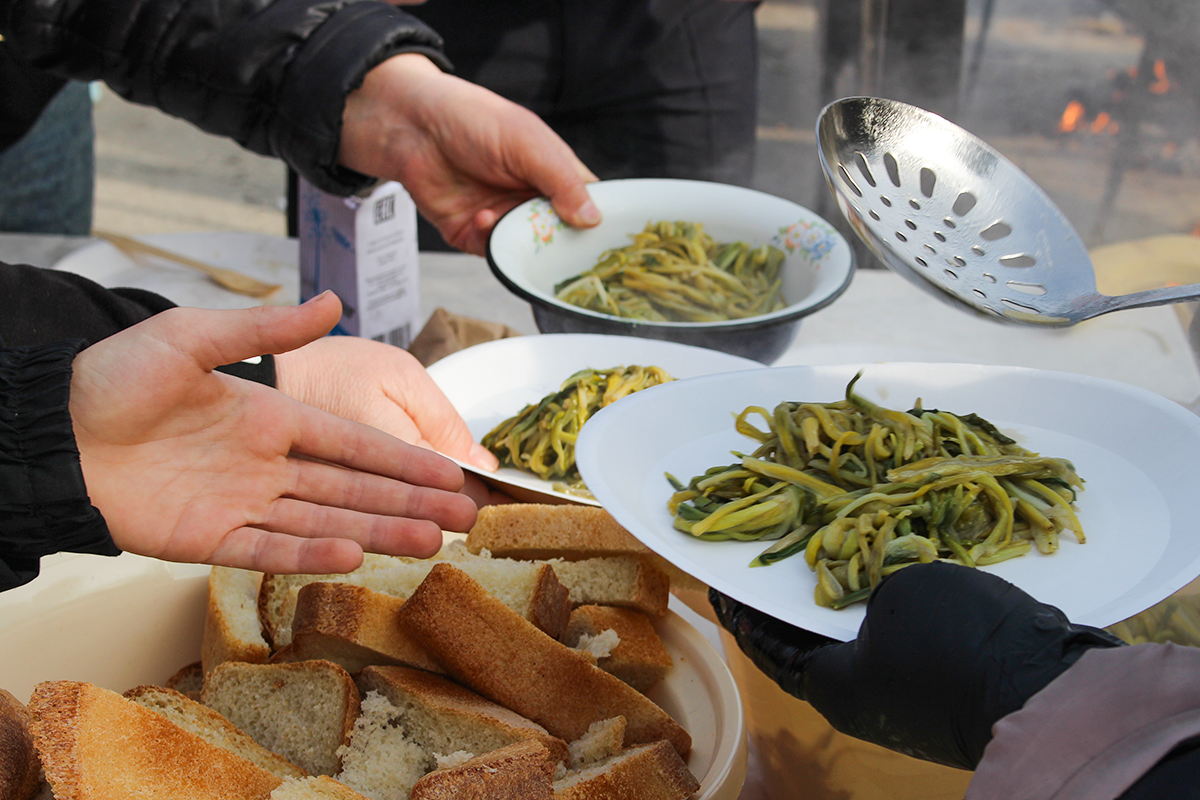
(272, 75)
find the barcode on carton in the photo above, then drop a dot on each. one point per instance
(397, 337)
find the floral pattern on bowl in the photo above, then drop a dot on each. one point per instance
(543, 222)
(814, 239)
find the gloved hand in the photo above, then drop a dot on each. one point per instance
(943, 654)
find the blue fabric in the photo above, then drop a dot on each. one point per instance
(47, 178)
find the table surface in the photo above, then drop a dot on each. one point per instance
(880, 318)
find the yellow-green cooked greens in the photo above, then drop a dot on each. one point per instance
(863, 491)
(675, 272)
(541, 438)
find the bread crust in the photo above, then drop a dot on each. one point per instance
(568, 531)
(534, 531)
(489, 648)
(19, 768)
(640, 658)
(543, 601)
(97, 745)
(232, 631)
(444, 699)
(209, 725)
(277, 725)
(352, 626)
(519, 771)
(649, 772)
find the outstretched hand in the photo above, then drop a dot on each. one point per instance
(387, 388)
(187, 464)
(465, 154)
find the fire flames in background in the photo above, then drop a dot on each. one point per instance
(1103, 117)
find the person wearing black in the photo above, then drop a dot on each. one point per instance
(957, 666)
(637, 88)
(118, 431)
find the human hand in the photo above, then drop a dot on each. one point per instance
(187, 464)
(943, 654)
(387, 388)
(465, 154)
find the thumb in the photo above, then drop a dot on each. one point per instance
(555, 171)
(226, 337)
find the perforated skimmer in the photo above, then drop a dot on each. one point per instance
(945, 210)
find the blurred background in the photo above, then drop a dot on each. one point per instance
(1096, 99)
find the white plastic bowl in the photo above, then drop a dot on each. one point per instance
(531, 250)
(125, 621)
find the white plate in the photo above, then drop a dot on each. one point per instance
(273, 259)
(125, 621)
(490, 382)
(1136, 451)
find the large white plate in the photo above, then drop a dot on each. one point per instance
(273, 259)
(1137, 452)
(125, 621)
(490, 382)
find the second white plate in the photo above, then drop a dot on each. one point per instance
(1135, 450)
(490, 382)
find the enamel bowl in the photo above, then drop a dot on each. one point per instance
(531, 250)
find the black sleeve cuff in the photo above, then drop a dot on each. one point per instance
(356, 38)
(44, 505)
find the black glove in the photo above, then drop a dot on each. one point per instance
(944, 652)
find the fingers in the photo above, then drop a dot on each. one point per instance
(553, 169)
(265, 551)
(334, 487)
(374, 533)
(360, 447)
(214, 338)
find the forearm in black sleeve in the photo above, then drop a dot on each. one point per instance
(272, 75)
(44, 506)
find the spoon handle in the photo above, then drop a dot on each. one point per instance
(1154, 297)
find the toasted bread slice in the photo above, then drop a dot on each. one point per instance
(647, 772)
(529, 588)
(639, 658)
(625, 581)
(303, 712)
(188, 680)
(486, 646)
(232, 631)
(315, 787)
(444, 717)
(380, 760)
(519, 771)
(352, 626)
(542, 531)
(536, 531)
(211, 727)
(603, 740)
(19, 768)
(96, 745)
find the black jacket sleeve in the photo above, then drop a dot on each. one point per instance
(44, 505)
(272, 75)
(46, 306)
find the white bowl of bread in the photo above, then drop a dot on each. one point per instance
(554, 670)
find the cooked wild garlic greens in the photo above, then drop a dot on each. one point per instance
(541, 438)
(863, 491)
(675, 272)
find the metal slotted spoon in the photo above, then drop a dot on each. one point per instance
(945, 210)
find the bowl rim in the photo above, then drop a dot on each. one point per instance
(786, 314)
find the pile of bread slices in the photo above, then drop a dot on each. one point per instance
(514, 664)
